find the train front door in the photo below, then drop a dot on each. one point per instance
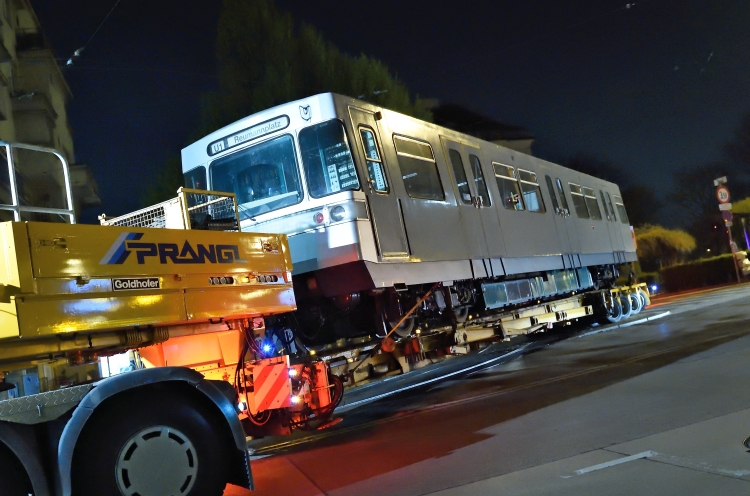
(387, 219)
(471, 195)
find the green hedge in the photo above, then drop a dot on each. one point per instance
(705, 272)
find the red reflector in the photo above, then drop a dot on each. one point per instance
(319, 217)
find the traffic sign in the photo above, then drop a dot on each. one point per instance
(722, 194)
(727, 216)
(725, 206)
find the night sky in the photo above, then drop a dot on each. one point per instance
(651, 85)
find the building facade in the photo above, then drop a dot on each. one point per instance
(33, 100)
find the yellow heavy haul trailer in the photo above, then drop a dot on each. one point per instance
(195, 303)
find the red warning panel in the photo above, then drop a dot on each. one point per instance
(272, 385)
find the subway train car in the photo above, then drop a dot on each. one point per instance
(399, 224)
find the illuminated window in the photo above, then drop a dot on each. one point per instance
(621, 210)
(532, 194)
(375, 168)
(563, 199)
(195, 178)
(327, 159)
(479, 182)
(611, 208)
(264, 177)
(579, 203)
(459, 174)
(507, 183)
(552, 195)
(592, 203)
(418, 169)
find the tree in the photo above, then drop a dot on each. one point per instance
(642, 203)
(738, 150)
(742, 206)
(266, 59)
(662, 247)
(695, 194)
(166, 183)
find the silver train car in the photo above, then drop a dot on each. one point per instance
(382, 208)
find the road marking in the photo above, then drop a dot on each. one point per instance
(348, 406)
(626, 324)
(619, 461)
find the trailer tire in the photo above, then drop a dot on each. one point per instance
(644, 297)
(614, 314)
(636, 303)
(151, 443)
(13, 478)
(627, 307)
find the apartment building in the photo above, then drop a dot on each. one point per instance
(33, 100)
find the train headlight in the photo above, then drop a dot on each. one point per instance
(319, 218)
(337, 213)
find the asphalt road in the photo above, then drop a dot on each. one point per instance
(661, 407)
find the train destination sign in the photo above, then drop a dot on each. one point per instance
(248, 134)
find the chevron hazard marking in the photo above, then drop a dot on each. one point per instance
(273, 388)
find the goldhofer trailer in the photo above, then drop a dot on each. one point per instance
(202, 299)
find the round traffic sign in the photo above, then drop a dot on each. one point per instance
(722, 194)
(726, 215)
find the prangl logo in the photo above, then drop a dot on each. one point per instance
(169, 252)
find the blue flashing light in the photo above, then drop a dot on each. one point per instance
(266, 348)
(654, 288)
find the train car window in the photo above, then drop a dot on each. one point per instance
(510, 194)
(611, 208)
(578, 201)
(196, 178)
(592, 203)
(327, 159)
(264, 177)
(479, 182)
(457, 166)
(418, 169)
(532, 193)
(375, 169)
(621, 210)
(606, 207)
(552, 195)
(563, 199)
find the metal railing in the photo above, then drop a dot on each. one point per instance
(15, 205)
(192, 209)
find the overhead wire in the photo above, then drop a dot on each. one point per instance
(79, 51)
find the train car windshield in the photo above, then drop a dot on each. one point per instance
(327, 159)
(264, 177)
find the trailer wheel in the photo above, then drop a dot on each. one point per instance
(627, 307)
(635, 303)
(644, 297)
(13, 478)
(151, 445)
(613, 314)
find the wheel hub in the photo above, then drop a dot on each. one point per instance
(157, 461)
